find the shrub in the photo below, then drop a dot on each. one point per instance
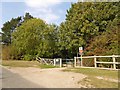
(6, 52)
(28, 57)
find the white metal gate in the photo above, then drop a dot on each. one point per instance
(47, 61)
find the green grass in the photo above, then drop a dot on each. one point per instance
(21, 63)
(92, 81)
(95, 72)
(47, 66)
(98, 83)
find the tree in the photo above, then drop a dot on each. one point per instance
(27, 16)
(68, 42)
(48, 45)
(53, 40)
(35, 38)
(106, 43)
(83, 22)
(8, 28)
(28, 36)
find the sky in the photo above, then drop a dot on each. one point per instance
(51, 11)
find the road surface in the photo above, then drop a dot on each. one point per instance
(14, 80)
(17, 77)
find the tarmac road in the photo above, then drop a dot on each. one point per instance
(13, 80)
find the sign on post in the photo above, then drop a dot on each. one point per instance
(80, 50)
(81, 53)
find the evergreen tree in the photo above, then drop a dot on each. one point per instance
(27, 16)
(8, 28)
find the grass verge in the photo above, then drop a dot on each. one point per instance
(92, 82)
(47, 66)
(95, 72)
(21, 63)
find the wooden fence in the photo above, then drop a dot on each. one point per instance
(70, 62)
(47, 61)
(56, 62)
(114, 63)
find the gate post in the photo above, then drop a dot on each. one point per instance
(54, 62)
(81, 61)
(95, 64)
(60, 62)
(114, 65)
(74, 61)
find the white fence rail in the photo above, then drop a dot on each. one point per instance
(99, 62)
(47, 61)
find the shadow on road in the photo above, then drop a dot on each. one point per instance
(14, 80)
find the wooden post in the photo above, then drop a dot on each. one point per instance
(60, 62)
(95, 64)
(81, 61)
(74, 61)
(54, 62)
(114, 65)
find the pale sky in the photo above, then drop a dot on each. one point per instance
(52, 11)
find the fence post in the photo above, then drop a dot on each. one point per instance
(114, 65)
(81, 61)
(74, 61)
(95, 64)
(60, 62)
(54, 62)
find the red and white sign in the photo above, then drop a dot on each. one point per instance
(80, 50)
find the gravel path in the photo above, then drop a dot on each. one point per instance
(50, 78)
(14, 80)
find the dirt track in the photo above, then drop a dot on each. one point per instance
(50, 78)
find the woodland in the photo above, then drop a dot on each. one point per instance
(93, 25)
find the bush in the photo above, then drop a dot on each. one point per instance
(15, 54)
(28, 57)
(6, 52)
(10, 52)
(88, 62)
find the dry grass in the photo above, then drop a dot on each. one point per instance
(95, 72)
(92, 82)
(21, 63)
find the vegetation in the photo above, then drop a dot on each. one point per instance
(92, 81)
(91, 25)
(10, 26)
(8, 29)
(92, 72)
(86, 22)
(98, 83)
(47, 66)
(106, 43)
(21, 63)
(34, 38)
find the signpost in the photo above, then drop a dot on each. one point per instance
(80, 50)
(81, 53)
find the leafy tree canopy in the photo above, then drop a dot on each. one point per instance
(10, 26)
(36, 38)
(85, 21)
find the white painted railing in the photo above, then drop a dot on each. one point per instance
(98, 62)
(47, 61)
